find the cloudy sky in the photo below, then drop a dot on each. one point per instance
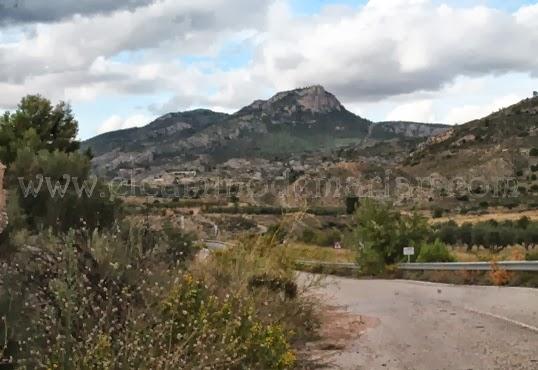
(121, 63)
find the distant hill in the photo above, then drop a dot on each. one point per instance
(496, 145)
(291, 122)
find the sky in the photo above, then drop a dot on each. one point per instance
(123, 63)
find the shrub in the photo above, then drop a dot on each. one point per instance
(351, 204)
(434, 252)
(370, 262)
(114, 301)
(262, 271)
(523, 222)
(499, 276)
(534, 152)
(308, 236)
(437, 213)
(327, 238)
(448, 233)
(385, 230)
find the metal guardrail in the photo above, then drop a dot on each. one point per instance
(472, 266)
(440, 266)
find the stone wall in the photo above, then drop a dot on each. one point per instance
(3, 216)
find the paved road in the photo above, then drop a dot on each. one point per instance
(435, 326)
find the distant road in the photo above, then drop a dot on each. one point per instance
(435, 326)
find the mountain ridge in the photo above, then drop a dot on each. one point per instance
(290, 122)
(500, 142)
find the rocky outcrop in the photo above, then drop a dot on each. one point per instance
(3, 215)
(389, 129)
(314, 100)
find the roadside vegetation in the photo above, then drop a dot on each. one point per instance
(380, 232)
(83, 287)
(308, 252)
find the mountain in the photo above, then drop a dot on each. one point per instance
(399, 129)
(498, 145)
(303, 120)
(168, 128)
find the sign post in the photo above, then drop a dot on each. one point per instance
(409, 251)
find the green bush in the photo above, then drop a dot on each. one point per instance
(308, 236)
(434, 252)
(327, 238)
(385, 230)
(371, 262)
(534, 152)
(448, 232)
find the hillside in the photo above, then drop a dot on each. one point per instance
(291, 122)
(496, 145)
(485, 164)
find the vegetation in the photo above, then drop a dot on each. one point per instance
(265, 210)
(37, 125)
(81, 288)
(382, 232)
(307, 252)
(123, 300)
(325, 238)
(434, 252)
(490, 234)
(47, 177)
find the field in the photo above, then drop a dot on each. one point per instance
(305, 252)
(514, 253)
(497, 216)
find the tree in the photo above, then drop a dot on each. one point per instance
(386, 231)
(447, 232)
(39, 146)
(38, 125)
(55, 190)
(351, 204)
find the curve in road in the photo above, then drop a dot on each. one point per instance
(436, 326)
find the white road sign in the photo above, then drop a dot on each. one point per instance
(409, 251)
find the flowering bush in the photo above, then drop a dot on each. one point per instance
(113, 301)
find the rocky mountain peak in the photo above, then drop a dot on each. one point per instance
(314, 99)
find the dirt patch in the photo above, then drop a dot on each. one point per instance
(339, 331)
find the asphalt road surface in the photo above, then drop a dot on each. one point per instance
(436, 326)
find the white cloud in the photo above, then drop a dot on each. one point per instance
(67, 54)
(119, 123)
(417, 111)
(390, 48)
(466, 113)
(407, 56)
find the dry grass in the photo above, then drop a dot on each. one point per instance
(497, 216)
(515, 253)
(301, 251)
